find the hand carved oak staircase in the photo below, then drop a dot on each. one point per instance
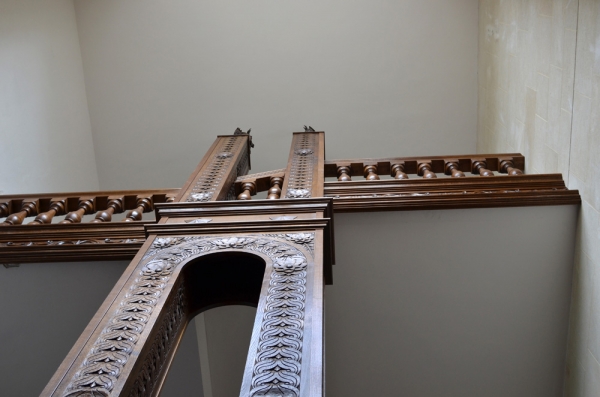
(286, 241)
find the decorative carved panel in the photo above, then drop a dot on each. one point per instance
(278, 357)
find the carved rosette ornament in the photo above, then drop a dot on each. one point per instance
(278, 359)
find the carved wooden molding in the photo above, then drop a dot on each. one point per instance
(304, 173)
(71, 242)
(213, 180)
(278, 357)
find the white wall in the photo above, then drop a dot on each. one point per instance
(45, 133)
(450, 303)
(539, 94)
(382, 78)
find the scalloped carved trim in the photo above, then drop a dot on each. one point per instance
(279, 353)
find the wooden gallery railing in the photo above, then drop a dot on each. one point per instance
(211, 244)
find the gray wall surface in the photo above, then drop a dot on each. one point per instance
(45, 132)
(382, 78)
(450, 303)
(44, 309)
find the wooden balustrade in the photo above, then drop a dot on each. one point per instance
(247, 186)
(511, 164)
(28, 208)
(47, 206)
(56, 208)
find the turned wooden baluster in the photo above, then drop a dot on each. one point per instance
(56, 208)
(143, 205)
(451, 168)
(508, 167)
(86, 206)
(344, 173)
(478, 167)
(371, 173)
(398, 171)
(424, 170)
(275, 190)
(114, 205)
(28, 208)
(4, 209)
(248, 189)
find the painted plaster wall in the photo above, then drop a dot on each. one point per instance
(45, 131)
(539, 94)
(382, 78)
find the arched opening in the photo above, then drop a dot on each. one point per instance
(223, 278)
(212, 352)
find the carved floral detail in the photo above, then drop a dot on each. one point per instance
(199, 220)
(212, 176)
(300, 179)
(298, 193)
(200, 196)
(278, 360)
(67, 242)
(303, 152)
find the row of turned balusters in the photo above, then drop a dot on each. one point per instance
(85, 207)
(425, 170)
(249, 189)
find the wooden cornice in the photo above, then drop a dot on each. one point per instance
(71, 242)
(121, 240)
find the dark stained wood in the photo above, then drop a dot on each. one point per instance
(425, 170)
(452, 169)
(275, 190)
(207, 249)
(343, 172)
(370, 172)
(248, 190)
(397, 171)
(214, 178)
(438, 163)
